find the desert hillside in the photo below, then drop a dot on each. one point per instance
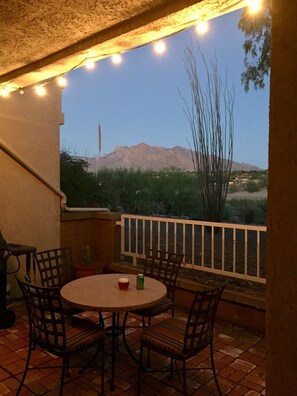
(143, 156)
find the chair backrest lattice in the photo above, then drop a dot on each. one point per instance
(55, 266)
(46, 319)
(164, 267)
(200, 322)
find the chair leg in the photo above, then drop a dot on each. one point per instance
(140, 369)
(102, 366)
(184, 378)
(171, 368)
(213, 369)
(101, 320)
(82, 370)
(65, 368)
(148, 350)
(31, 346)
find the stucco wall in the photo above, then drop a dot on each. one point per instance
(282, 206)
(29, 210)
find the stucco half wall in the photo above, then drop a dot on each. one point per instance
(30, 211)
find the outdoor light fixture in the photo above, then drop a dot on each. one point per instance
(90, 64)
(254, 6)
(116, 59)
(62, 81)
(202, 27)
(40, 90)
(4, 93)
(159, 47)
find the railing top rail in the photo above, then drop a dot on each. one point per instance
(194, 222)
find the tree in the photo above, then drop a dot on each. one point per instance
(257, 46)
(211, 121)
(80, 187)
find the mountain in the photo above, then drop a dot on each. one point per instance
(144, 156)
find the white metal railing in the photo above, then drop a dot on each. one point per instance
(235, 250)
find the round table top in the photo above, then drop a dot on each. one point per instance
(101, 292)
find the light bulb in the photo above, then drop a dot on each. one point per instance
(40, 90)
(159, 47)
(116, 59)
(254, 6)
(4, 92)
(62, 81)
(21, 91)
(202, 27)
(90, 64)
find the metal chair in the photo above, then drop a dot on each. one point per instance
(55, 270)
(50, 330)
(181, 340)
(55, 266)
(163, 266)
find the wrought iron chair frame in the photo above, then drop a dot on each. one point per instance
(162, 266)
(181, 340)
(58, 334)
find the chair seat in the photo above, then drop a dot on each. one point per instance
(81, 333)
(181, 339)
(168, 336)
(157, 309)
(53, 331)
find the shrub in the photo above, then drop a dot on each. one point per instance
(252, 186)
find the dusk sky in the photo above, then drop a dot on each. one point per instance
(138, 101)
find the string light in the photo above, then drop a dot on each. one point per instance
(254, 6)
(116, 59)
(4, 92)
(202, 27)
(159, 47)
(90, 64)
(40, 90)
(62, 81)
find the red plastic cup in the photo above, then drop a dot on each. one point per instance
(123, 283)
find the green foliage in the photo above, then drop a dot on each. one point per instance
(246, 211)
(257, 46)
(80, 186)
(233, 188)
(86, 255)
(169, 192)
(252, 186)
(210, 116)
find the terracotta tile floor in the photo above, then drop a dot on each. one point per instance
(239, 355)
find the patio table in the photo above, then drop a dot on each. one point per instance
(101, 293)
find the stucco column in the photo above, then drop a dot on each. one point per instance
(282, 205)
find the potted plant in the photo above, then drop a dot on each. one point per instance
(87, 265)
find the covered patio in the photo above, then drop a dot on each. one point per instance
(239, 355)
(29, 156)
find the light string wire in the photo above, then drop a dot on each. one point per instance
(7, 87)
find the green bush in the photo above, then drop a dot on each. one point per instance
(79, 186)
(247, 211)
(252, 186)
(169, 192)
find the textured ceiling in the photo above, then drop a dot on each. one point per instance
(40, 39)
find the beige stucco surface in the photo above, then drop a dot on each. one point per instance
(282, 206)
(30, 211)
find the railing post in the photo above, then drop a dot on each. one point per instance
(178, 237)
